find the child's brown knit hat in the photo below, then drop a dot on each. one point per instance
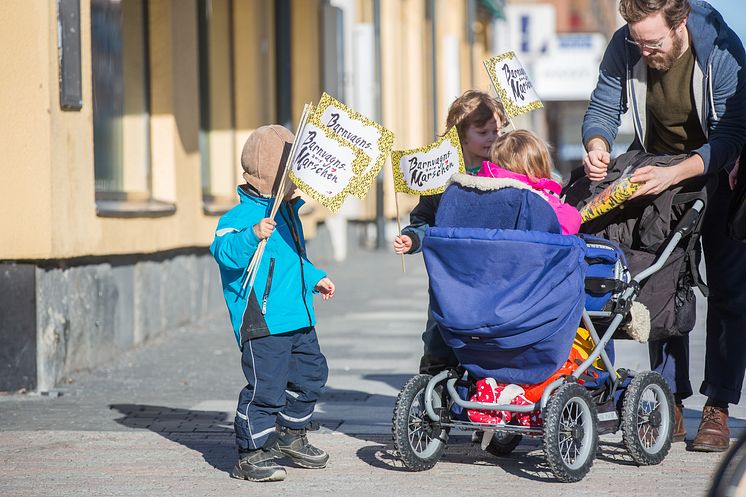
(262, 156)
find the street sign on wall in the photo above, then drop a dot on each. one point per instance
(532, 29)
(569, 69)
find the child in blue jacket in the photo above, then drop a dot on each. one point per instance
(274, 323)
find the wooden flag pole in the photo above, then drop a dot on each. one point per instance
(398, 216)
(259, 252)
(288, 164)
(398, 224)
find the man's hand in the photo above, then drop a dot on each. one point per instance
(595, 164)
(326, 288)
(733, 176)
(264, 228)
(402, 244)
(656, 179)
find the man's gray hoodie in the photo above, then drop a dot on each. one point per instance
(719, 86)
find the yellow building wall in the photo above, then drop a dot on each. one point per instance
(405, 88)
(306, 54)
(26, 167)
(254, 68)
(479, 52)
(221, 136)
(174, 142)
(73, 209)
(450, 21)
(47, 196)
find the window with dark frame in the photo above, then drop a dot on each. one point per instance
(121, 106)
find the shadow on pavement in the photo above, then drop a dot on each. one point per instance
(360, 414)
(614, 452)
(208, 432)
(381, 455)
(528, 463)
(352, 412)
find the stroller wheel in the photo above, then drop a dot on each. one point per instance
(647, 418)
(502, 444)
(419, 441)
(570, 432)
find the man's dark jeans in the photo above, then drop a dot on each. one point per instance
(725, 353)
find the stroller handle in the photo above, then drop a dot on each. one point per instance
(687, 223)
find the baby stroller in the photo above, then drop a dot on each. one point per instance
(508, 292)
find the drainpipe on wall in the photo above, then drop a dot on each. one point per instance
(431, 15)
(471, 8)
(380, 220)
(283, 63)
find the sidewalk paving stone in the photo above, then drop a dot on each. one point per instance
(159, 419)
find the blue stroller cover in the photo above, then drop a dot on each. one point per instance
(508, 301)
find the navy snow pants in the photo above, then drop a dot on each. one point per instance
(285, 374)
(725, 346)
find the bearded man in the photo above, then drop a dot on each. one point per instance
(679, 69)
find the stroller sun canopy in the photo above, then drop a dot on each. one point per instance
(507, 301)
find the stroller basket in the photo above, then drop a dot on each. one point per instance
(607, 272)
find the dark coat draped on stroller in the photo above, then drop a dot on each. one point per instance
(641, 227)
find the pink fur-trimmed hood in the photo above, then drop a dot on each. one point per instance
(568, 216)
(490, 170)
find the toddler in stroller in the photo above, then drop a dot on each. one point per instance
(508, 292)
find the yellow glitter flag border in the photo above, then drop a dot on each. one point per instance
(511, 108)
(333, 203)
(385, 141)
(400, 183)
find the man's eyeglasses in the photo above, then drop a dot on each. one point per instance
(649, 46)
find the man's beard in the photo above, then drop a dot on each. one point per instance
(664, 61)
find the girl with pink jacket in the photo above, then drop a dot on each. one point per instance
(522, 159)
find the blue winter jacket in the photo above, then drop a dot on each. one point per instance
(281, 299)
(718, 84)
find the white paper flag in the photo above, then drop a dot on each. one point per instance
(512, 84)
(325, 167)
(426, 170)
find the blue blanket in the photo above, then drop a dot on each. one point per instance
(507, 301)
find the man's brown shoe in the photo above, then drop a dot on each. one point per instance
(679, 429)
(713, 434)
